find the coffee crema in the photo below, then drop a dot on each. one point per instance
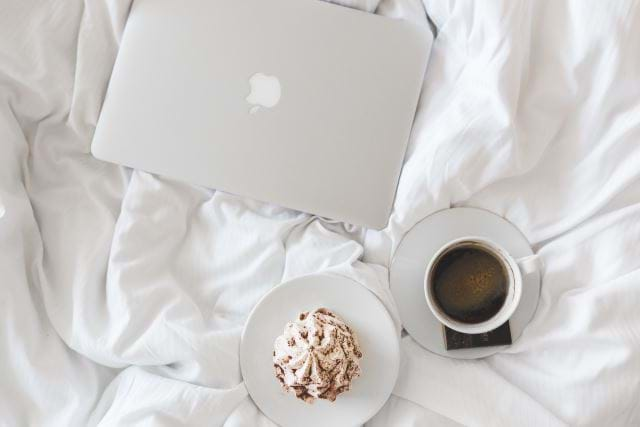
(470, 283)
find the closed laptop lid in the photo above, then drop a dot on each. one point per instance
(300, 103)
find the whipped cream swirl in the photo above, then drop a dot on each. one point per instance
(317, 356)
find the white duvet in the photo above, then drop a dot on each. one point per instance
(123, 294)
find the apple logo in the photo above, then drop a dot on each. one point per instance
(264, 92)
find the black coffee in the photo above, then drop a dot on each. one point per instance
(469, 284)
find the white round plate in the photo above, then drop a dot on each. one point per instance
(361, 310)
(406, 275)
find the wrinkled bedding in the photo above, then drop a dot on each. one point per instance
(123, 294)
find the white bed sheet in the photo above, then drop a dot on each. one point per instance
(122, 294)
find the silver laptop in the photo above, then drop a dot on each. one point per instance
(300, 103)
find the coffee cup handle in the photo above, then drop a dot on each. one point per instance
(529, 264)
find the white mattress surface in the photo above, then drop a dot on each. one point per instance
(123, 295)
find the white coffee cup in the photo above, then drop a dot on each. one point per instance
(515, 269)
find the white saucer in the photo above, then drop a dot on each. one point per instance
(361, 310)
(406, 275)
